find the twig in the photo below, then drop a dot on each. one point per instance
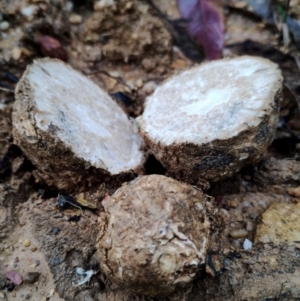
(117, 78)
(6, 88)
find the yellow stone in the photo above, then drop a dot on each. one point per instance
(26, 243)
(279, 223)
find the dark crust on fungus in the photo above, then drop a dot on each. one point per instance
(220, 158)
(56, 163)
(130, 242)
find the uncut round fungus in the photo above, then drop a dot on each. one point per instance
(71, 130)
(210, 121)
(154, 235)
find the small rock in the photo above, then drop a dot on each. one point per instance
(2, 296)
(247, 245)
(29, 11)
(139, 83)
(128, 5)
(240, 218)
(15, 277)
(33, 248)
(148, 64)
(4, 25)
(135, 36)
(26, 243)
(178, 64)
(31, 277)
(279, 223)
(149, 87)
(253, 215)
(16, 53)
(52, 292)
(102, 4)
(75, 19)
(238, 233)
(294, 191)
(2, 283)
(226, 251)
(273, 263)
(69, 6)
(234, 203)
(249, 226)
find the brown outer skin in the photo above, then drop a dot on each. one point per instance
(56, 164)
(130, 234)
(218, 159)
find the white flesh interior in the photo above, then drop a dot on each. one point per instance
(83, 117)
(216, 100)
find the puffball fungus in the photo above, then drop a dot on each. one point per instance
(154, 235)
(211, 120)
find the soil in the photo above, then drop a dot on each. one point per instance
(127, 50)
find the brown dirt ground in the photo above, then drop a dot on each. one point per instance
(131, 44)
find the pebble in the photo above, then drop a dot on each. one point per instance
(139, 83)
(31, 277)
(16, 53)
(134, 36)
(234, 203)
(253, 215)
(2, 296)
(33, 248)
(4, 25)
(52, 292)
(75, 19)
(29, 11)
(2, 283)
(294, 191)
(249, 226)
(247, 245)
(178, 64)
(102, 4)
(226, 251)
(69, 6)
(128, 5)
(26, 243)
(238, 233)
(149, 87)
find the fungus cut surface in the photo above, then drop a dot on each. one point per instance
(81, 115)
(216, 100)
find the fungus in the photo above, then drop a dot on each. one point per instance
(154, 235)
(71, 130)
(211, 120)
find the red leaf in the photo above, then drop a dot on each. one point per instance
(204, 25)
(14, 277)
(52, 48)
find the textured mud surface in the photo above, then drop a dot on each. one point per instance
(141, 55)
